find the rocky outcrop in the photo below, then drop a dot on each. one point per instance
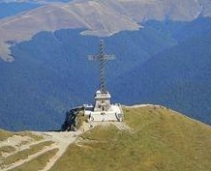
(71, 121)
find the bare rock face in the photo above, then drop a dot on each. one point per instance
(70, 123)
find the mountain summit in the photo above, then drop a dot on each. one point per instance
(162, 49)
(152, 138)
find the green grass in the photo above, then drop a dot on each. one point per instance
(21, 155)
(161, 140)
(37, 163)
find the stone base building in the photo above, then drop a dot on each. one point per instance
(103, 110)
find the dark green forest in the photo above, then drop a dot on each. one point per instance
(165, 63)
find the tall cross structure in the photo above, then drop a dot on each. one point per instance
(102, 57)
(103, 110)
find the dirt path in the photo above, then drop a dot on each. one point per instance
(139, 105)
(62, 141)
(144, 105)
(22, 147)
(31, 157)
(15, 140)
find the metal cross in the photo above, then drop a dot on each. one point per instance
(102, 57)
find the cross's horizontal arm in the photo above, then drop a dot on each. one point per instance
(98, 57)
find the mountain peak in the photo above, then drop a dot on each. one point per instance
(155, 137)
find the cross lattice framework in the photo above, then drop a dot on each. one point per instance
(102, 57)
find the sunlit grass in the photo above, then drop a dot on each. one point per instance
(161, 140)
(37, 163)
(24, 154)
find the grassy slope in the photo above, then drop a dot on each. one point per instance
(24, 154)
(161, 140)
(4, 134)
(13, 153)
(37, 163)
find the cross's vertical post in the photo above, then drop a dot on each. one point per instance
(101, 57)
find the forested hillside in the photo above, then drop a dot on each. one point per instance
(179, 77)
(52, 73)
(166, 61)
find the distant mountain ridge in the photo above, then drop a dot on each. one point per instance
(165, 62)
(34, 1)
(99, 18)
